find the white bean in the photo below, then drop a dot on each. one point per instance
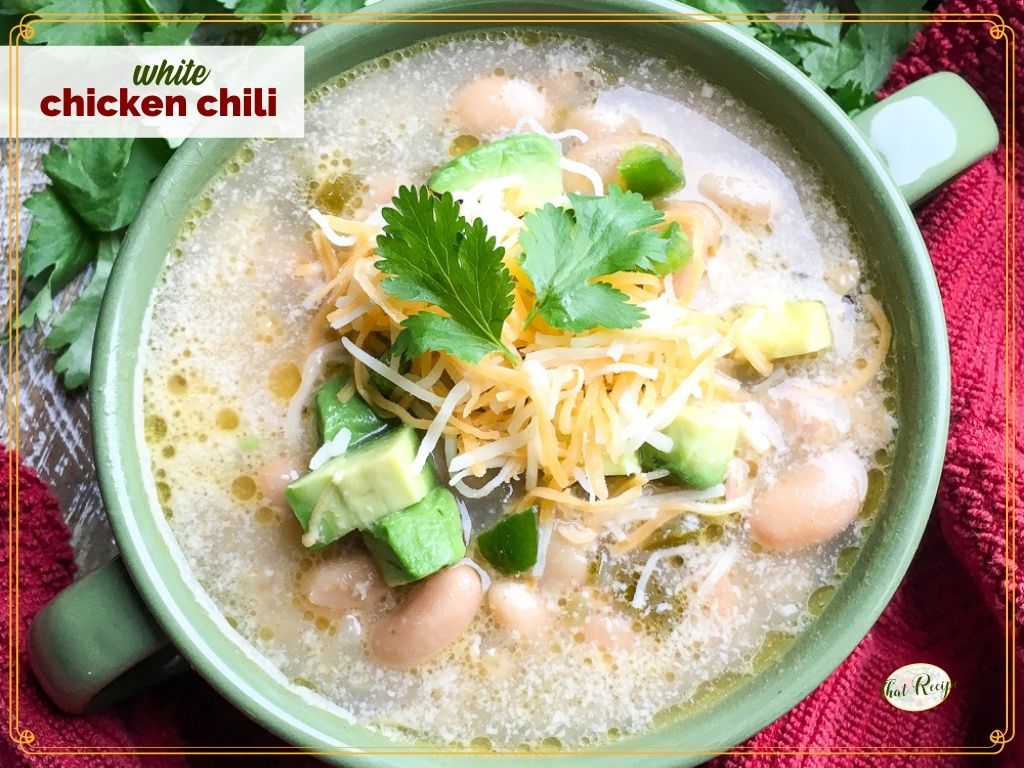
(809, 503)
(496, 103)
(609, 629)
(565, 566)
(435, 613)
(743, 199)
(600, 122)
(723, 598)
(818, 417)
(517, 608)
(347, 582)
(274, 476)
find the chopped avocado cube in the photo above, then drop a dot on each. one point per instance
(359, 487)
(354, 414)
(787, 329)
(651, 172)
(319, 507)
(511, 544)
(678, 252)
(627, 464)
(703, 443)
(416, 541)
(531, 155)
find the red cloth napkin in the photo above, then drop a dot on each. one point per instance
(950, 609)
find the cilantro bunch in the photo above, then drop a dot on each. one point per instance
(97, 185)
(848, 60)
(431, 254)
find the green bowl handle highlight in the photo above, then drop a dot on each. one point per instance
(929, 132)
(96, 643)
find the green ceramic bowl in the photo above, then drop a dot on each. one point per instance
(101, 639)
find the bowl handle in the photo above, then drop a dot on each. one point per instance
(96, 643)
(929, 132)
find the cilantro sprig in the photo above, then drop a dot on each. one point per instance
(97, 185)
(429, 253)
(849, 60)
(567, 250)
(432, 254)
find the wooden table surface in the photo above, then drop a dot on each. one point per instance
(55, 438)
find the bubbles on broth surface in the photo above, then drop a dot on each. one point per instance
(230, 330)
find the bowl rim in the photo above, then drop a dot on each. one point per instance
(116, 394)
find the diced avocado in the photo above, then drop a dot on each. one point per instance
(359, 487)
(679, 250)
(511, 544)
(627, 464)
(531, 155)
(651, 172)
(786, 329)
(416, 541)
(314, 500)
(703, 443)
(354, 414)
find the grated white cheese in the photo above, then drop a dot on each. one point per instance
(437, 426)
(392, 375)
(343, 241)
(491, 450)
(331, 449)
(581, 169)
(640, 595)
(543, 542)
(502, 476)
(310, 372)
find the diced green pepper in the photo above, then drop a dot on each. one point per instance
(679, 250)
(511, 544)
(419, 540)
(650, 171)
(381, 384)
(354, 414)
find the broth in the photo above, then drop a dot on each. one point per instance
(233, 326)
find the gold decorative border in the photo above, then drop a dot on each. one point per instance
(24, 737)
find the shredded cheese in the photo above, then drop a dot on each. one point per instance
(877, 359)
(331, 449)
(575, 401)
(437, 426)
(329, 232)
(640, 594)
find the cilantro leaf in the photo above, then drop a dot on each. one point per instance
(881, 43)
(431, 254)
(316, 7)
(73, 330)
(565, 250)
(58, 248)
(850, 60)
(425, 331)
(90, 33)
(170, 33)
(105, 180)
(852, 98)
